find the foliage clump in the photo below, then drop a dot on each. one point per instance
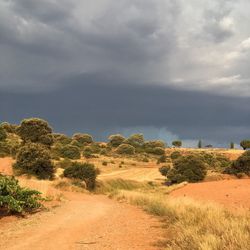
(175, 155)
(61, 138)
(82, 171)
(70, 152)
(156, 147)
(3, 134)
(187, 168)
(177, 143)
(116, 140)
(34, 159)
(35, 130)
(245, 144)
(240, 166)
(126, 149)
(9, 128)
(15, 199)
(164, 170)
(83, 139)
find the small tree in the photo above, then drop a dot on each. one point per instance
(3, 134)
(175, 155)
(34, 159)
(199, 144)
(245, 144)
(83, 138)
(232, 145)
(187, 168)
(177, 144)
(82, 171)
(125, 149)
(164, 170)
(9, 128)
(61, 138)
(116, 140)
(35, 130)
(70, 152)
(136, 140)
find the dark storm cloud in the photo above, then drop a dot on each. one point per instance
(97, 104)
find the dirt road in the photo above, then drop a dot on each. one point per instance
(82, 222)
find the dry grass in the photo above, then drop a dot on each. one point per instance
(192, 225)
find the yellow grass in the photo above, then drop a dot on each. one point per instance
(192, 225)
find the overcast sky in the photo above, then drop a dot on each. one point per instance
(168, 68)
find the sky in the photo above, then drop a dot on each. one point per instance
(171, 69)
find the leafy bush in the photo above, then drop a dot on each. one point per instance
(177, 143)
(35, 130)
(65, 163)
(3, 134)
(245, 144)
(175, 155)
(164, 170)
(62, 139)
(14, 198)
(158, 151)
(116, 140)
(105, 163)
(241, 165)
(83, 138)
(135, 140)
(82, 171)
(187, 168)
(126, 149)
(4, 149)
(9, 128)
(162, 159)
(70, 152)
(34, 159)
(155, 147)
(231, 145)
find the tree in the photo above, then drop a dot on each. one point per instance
(164, 170)
(199, 144)
(83, 138)
(9, 128)
(187, 168)
(177, 143)
(35, 130)
(232, 145)
(34, 159)
(245, 144)
(125, 149)
(70, 152)
(116, 140)
(136, 140)
(3, 134)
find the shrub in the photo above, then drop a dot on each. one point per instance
(3, 134)
(187, 168)
(35, 130)
(105, 163)
(164, 170)
(175, 155)
(14, 198)
(161, 159)
(65, 163)
(82, 171)
(199, 144)
(158, 151)
(126, 149)
(61, 138)
(145, 159)
(154, 147)
(241, 165)
(9, 128)
(245, 144)
(116, 140)
(177, 143)
(70, 152)
(34, 159)
(135, 140)
(83, 138)
(232, 145)
(4, 149)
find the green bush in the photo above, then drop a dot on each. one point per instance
(4, 149)
(175, 155)
(154, 147)
(162, 159)
(125, 149)
(241, 165)
(82, 171)
(135, 140)
(14, 198)
(177, 143)
(3, 134)
(65, 163)
(62, 139)
(245, 144)
(35, 130)
(187, 168)
(9, 128)
(70, 152)
(83, 138)
(116, 140)
(164, 170)
(34, 159)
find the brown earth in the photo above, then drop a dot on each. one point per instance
(230, 193)
(79, 221)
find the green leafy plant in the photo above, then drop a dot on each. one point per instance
(125, 149)
(14, 198)
(177, 143)
(3, 134)
(116, 140)
(164, 170)
(245, 144)
(70, 152)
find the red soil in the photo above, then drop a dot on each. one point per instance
(230, 193)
